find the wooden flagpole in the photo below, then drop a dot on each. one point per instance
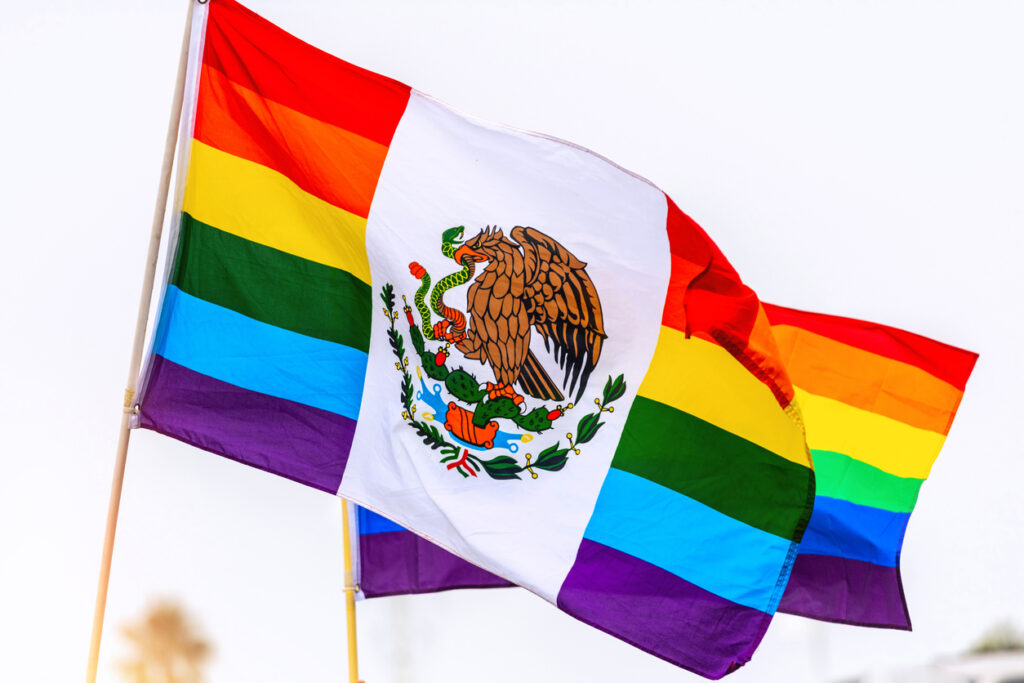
(135, 361)
(350, 595)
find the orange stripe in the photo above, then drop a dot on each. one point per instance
(946, 362)
(867, 380)
(331, 163)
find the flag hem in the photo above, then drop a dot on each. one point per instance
(442, 589)
(733, 665)
(209, 449)
(186, 126)
(854, 622)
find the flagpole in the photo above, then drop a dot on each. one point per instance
(135, 361)
(350, 596)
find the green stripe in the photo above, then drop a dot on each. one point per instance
(716, 467)
(272, 286)
(840, 476)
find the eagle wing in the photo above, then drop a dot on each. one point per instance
(499, 324)
(562, 305)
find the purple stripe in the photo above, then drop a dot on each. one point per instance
(400, 562)
(846, 591)
(304, 444)
(659, 612)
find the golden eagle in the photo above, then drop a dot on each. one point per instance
(530, 282)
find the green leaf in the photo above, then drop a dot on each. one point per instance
(406, 389)
(588, 427)
(552, 458)
(397, 345)
(553, 447)
(387, 295)
(429, 434)
(614, 389)
(502, 467)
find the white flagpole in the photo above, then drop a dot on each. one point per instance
(135, 361)
(350, 595)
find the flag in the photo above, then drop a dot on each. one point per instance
(499, 340)
(877, 403)
(391, 560)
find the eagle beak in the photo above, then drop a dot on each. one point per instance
(465, 250)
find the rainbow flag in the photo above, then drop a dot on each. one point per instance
(455, 323)
(877, 403)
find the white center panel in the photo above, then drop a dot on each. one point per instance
(445, 170)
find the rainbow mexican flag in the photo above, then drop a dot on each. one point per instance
(877, 402)
(451, 322)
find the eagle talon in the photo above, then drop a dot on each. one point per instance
(503, 390)
(441, 330)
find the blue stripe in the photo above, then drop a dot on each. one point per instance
(689, 539)
(228, 346)
(372, 523)
(839, 528)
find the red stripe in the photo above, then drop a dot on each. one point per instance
(686, 239)
(707, 299)
(691, 255)
(256, 54)
(946, 362)
(716, 300)
(682, 274)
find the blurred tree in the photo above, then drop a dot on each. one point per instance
(166, 647)
(1003, 637)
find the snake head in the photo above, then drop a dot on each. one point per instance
(452, 235)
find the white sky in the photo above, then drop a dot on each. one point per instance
(863, 159)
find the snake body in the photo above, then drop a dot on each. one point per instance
(460, 277)
(428, 331)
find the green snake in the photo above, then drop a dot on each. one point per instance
(449, 240)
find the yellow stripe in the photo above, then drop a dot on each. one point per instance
(704, 380)
(883, 442)
(261, 205)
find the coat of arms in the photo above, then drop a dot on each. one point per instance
(528, 283)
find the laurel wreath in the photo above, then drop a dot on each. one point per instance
(503, 467)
